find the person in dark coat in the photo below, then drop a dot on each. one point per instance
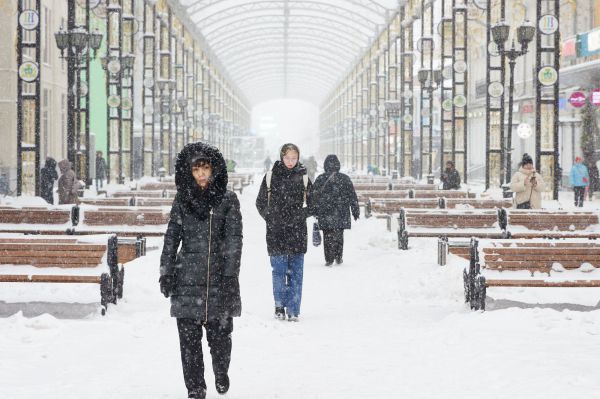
(450, 177)
(333, 199)
(267, 163)
(67, 184)
(283, 202)
(200, 263)
(47, 177)
(100, 170)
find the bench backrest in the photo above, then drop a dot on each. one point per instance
(552, 220)
(440, 218)
(34, 215)
(125, 216)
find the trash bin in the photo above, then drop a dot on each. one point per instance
(430, 179)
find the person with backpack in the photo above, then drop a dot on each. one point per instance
(580, 180)
(283, 202)
(200, 264)
(334, 198)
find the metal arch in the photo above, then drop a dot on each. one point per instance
(349, 46)
(279, 80)
(250, 50)
(263, 5)
(261, 90)
(302, 73)
(275, 69)
(306, 26)
(241, 64)
(349, 29)
(194, 7)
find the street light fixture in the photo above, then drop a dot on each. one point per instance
(525, 34)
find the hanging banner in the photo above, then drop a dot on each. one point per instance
(589, 43)
(569, 47)
(595, 97)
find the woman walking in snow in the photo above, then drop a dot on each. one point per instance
(282, 202)
(527, 185)
(201, 277)
(333, 198)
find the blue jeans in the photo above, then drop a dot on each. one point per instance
(287, 281)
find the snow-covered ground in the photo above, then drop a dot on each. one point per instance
(385, 324)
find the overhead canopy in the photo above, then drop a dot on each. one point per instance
(288, 48)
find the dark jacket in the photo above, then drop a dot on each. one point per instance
(284, 213)
(334, 197)
(451, 179)
(100, 168)
(47, 176)
(208, 225)
(67, 184)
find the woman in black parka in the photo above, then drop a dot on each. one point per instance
(201, 277)
(333, 200)
(283, 203)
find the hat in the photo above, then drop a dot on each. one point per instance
(578, 159)
(526, 159)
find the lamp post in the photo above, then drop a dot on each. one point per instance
(78, 45)
(525, 34)
(430, 81)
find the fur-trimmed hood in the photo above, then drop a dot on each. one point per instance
(189, 193)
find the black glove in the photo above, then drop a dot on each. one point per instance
(167, 284)
(356, 216)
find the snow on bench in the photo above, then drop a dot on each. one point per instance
(64, 260)
(512, 263)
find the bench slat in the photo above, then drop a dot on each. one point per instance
(543, 283)
(15, 278)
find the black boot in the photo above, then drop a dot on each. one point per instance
(222, 383)
(280, 312)
(197, 394)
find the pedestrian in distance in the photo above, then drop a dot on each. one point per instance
(527, 185)
(200, 264)
(68, 185)
(580, 180)
(268, 164)
(594, 176)
(48, 175)
(450, 177)
(334, 199)
(283, 202)
(311, 167)
(100, 170)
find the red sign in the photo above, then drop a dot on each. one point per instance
(527, 108)
(595, 97)
(577, 99)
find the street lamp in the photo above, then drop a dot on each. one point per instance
(80, 46)
(525, 34)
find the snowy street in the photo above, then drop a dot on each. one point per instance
(385, 324)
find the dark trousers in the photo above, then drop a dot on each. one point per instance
(218, 335)
(333, 244)
(579, 195)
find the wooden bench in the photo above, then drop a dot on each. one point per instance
(441, 194)
(477, 203)
(543, 263)
(234, 184)
(416, 187)
(142, 201)
(364, 195)
(449, 223)
(372, 186)
(121, 201)
(140, 193)
(79, 262)
(455, 247)
(393, 205)
(550, 223)
(247, 178)
(35, 215)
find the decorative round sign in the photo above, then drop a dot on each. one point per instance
(460, 100)
(29, 19)
(495, 89)
(381, 109)
(94, 3)
(577, 99)
(447, 105)
(548, 24)
(548, 76)
(407, 118)
(373, 112)
(126, 104)
(148, 83)
(113, 101)
(114, 66)
(460, 66)
(524, 130)
(481, 4)
(83, 89)
(493, 49)
(408, 95)
(29, 71)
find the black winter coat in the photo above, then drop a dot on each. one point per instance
(48, 175)
(451, 179)
(208, 225)
(334, 197)
(285, 213)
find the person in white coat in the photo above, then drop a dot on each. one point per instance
(527, 184)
